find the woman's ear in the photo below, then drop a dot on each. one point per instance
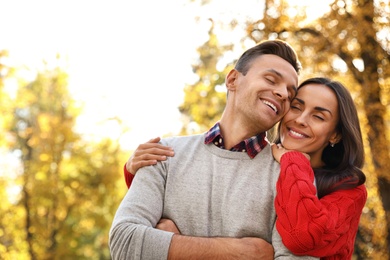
(335, 138)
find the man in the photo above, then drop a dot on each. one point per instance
(219, 187)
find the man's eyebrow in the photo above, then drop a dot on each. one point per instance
(322, 109)
(273, 71)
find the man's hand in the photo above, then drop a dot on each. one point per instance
(167, 225)
(257, 248)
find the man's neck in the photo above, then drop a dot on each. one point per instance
(233, 132)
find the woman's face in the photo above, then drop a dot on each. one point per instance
(310, 124)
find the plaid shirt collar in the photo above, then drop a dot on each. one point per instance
(252, 146)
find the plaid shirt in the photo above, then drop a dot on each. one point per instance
(252, 146)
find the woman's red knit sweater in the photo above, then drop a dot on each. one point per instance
(323, 227)
(128, 176)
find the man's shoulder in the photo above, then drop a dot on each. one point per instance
(267, 161)
(266, 154)
(185, 139)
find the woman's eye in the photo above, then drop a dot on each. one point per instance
(294, 107)
(319, 117)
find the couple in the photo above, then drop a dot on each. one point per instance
(216, 197)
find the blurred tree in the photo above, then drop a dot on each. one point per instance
(205, 100)
(6, 72)
(68, 196)
(8, 211)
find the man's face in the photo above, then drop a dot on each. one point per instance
(262, 96)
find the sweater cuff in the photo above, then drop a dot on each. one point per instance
(128, 176)
(294, 156)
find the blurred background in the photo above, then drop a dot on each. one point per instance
(82, 83)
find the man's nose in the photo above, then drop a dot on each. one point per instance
(281, 92)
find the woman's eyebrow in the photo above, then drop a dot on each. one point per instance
(300, 100)
(322, 109)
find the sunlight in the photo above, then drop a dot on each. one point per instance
(126, 59)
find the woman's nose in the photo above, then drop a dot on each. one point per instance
(301, 119)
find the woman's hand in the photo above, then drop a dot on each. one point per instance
(167, 225)
(148, 154)
(278, 150)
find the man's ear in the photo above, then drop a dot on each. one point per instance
(231, 79)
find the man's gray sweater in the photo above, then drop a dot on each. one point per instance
(206, 191)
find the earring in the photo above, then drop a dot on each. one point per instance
(331, 144)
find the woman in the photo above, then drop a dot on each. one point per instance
(320, 191)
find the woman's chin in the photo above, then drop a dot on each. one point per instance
(291, 146)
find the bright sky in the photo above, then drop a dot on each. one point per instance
(126, 59)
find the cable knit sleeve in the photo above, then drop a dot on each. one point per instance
(312, 226)
(128, 176)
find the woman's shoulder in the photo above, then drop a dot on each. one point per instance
(357, 195)
(359, 191)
